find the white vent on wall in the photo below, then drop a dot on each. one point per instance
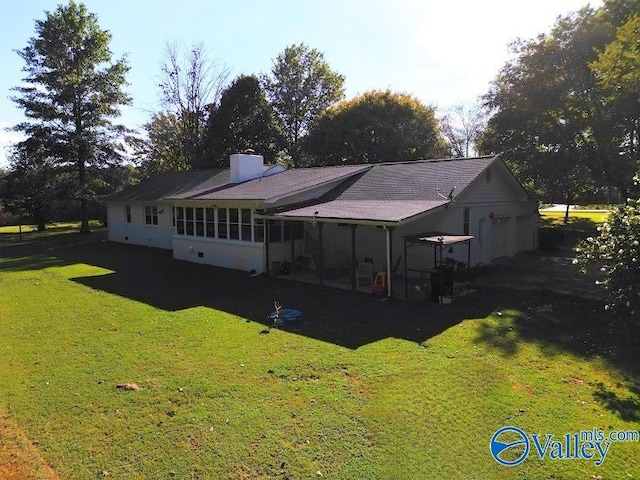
(245, 167)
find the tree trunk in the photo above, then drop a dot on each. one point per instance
(84, 214)
(566, 212)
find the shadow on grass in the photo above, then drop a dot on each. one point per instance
(500, 333)
(153, 277)
(627, 408)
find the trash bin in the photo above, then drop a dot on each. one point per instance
(275, 268)
(441, 284)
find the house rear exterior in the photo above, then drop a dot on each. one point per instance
(251, 216)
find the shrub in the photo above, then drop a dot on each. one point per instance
(617, 249)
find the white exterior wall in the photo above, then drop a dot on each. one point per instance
(232, 254)
(137, 232)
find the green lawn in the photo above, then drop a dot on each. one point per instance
(221, 398)
(588, 218)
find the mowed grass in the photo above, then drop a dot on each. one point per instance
(222, 399)
(577, 218)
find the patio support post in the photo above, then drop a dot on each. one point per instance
(354, 263)
(293, 252)
(468, 253)
(320, 225)
(406, 280)
(389, 258)
(266, 244)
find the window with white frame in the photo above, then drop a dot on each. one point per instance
(188, 222)
(180, 220)
(210, 222)
(222, 223)
(199, 222)
(151, 215)
(234, 224)
(127, 213)
(245, 225)
(258, 230)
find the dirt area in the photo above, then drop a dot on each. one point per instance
(19, 458)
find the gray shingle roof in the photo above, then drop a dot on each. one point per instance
(283, 184)
(172, 184)
(396, 191)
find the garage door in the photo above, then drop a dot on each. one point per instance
(499, 236)
(524, 233)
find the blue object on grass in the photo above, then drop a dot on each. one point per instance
(285, 315)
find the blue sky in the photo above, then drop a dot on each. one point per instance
(444, 52)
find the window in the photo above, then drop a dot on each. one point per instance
(234, 227)
(199, 222)
(173, 216)
(189, 220)
(180, 220)
(210, 223)
(127, 213)
(245, 225)
(465, 224)
(258, 230)
(222, 223)
(151, 215)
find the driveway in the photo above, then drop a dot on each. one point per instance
(541, 271)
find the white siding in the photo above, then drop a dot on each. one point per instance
(138, 232)
(236, 255)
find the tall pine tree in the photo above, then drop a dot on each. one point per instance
(71, 93)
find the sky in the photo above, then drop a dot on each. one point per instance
(444, 52)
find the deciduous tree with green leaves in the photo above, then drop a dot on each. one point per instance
(300, 87)
(162, 150)
(378, 126)
(72, 91)
(243, 120)
(548, 118)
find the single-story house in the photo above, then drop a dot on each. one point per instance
(253, 217)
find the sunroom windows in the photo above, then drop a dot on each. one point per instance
(236, 224)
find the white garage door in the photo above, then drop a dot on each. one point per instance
(499, 236)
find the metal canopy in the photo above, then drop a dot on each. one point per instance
(436, 240)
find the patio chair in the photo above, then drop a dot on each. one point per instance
(364, 274)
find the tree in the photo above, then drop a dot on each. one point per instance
(300, 87)
(462, 126)
(162, 150)
(190, 85)
(617, 248)
(548, 117)
(618, 70)
(30, 188)
(70, 95)
(378, 126)
(243, 120)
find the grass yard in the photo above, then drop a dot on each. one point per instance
(577, 218)
(360, 389)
